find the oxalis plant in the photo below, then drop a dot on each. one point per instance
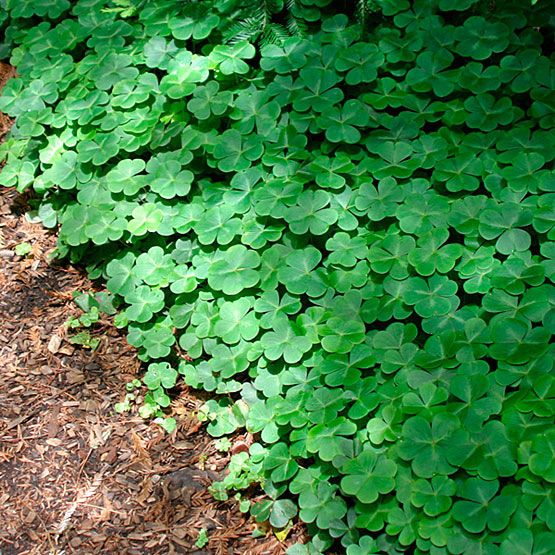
(337, 218)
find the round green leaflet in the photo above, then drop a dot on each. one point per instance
(160, 374)
(154, 267)
(310, 213)
(185, 71)
(322, 506)
(237, 321)
(298, 274)
(478, 38)
(368, 475)
(145, 218)
(230, 59)
(340, 124)
(234, 270)
(234, 153)
(481, 507)
(285, 342)
(361, 61)
(434, 297)
(435, 496)
(144, 302)
(424, 443)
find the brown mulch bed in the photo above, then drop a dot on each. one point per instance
(76, 477)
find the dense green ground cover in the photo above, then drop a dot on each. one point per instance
(349, 231)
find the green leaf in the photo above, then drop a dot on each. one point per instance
(230, 59)
(368, 475)
(237, 321)
(424, 443)
(160, 374)
(285, 342)
(144, 302)
(234, 270)
(481, 508)
(321, 506)
(298, 274)
(145, 218)
(541, 460)
(435, 496)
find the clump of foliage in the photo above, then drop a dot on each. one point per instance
(347, 226)
(93, 307)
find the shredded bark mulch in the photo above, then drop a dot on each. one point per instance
(76, 477)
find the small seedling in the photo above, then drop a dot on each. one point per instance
(125, 406)
(131, 386)
(244, 504)
(85, 339)
(168, 424)
(223, 444)
(202, 538)
(23, 249)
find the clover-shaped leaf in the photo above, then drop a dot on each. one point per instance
(145, 218)
(424, 444)
(394, 160)
(124, 178)
(208, 100)
(299, 275)
(321, 505)
(198, 28)
(459, 173)
(478, 38)
(281, 463)
(485, 113)
(435, 496)
(503, 223)
(379, 202)
(481, 508)
(235, 270)
(340, 124)
(368, 475)
(346, 250)
(324, 405)
(122, 280)
(219, 225)
(329, 170)
(167, 178)
(285, 342)
(430, 256)
(389, 256)
(144, 302)
(230, 59)
(428, 73)
(237, 321)
(433, 297)
(98, 150)
(158, 52)
(154, 267)
(339, 336)
(285, 57)
(185, 71)
(160, 374)
(310, 213)
(274, 308)
(234, 153)
(541, 459)
(330, 440)
(365, 546)
(361, 62)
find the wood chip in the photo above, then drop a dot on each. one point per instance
(54, 344)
